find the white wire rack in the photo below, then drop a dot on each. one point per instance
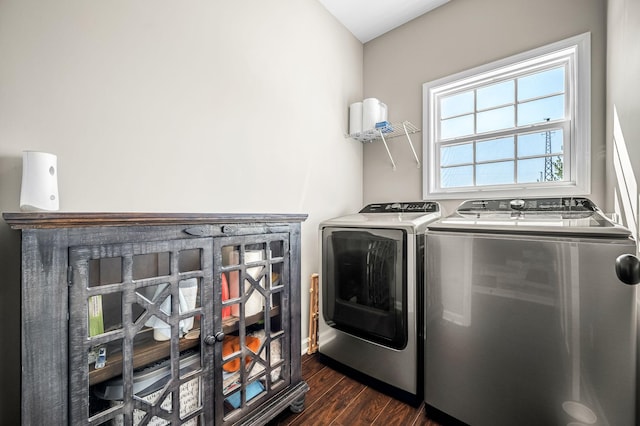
(390, 131)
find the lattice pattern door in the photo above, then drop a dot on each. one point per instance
(256, 361)
(138, 314)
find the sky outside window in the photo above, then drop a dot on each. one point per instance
(533, 99)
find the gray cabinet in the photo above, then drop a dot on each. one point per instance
(159, 318)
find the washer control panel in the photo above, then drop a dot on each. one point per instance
(404, 207)
(561, 204)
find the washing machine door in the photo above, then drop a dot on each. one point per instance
(364, 283)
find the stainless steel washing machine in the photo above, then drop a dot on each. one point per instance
(372, 284)
(531, 319)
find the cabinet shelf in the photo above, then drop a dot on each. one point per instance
(390, 131)
(149, 350)
(230, 325)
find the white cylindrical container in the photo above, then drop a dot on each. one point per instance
(370, 113)
(355, 118)
(383, 112)
(162, 331)
(255, 302)
(188, 293)
(39, 190)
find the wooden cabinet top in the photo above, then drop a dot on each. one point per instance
(39, 220)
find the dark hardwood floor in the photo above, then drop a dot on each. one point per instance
(335, 399)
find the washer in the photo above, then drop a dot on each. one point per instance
(530, 320)
(372, 284)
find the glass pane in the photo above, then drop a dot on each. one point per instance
(543, 169)
(105, 271)
(254, 365)
(255, 278)
(495, 119)
(95, 316)
(188, 292)
(276, 357)
(104, 313)
(536, 143)
(452, 177)
(190, 399)
(557, 169)
(456, 127)
(260, 346)
(496, 95)
(226, 305)
(149, 383)
(189, 260)
(541, 110)
(531, 170)
(231, 351)
(189, 300)
(105, 362)
(541, 84)
(151, 265)
(494, 173)
(456, 105)
(495, 149)
(190, 328)
(277, 248)
(276, 275)
(231, 257)
(456, 154)
(158, 295)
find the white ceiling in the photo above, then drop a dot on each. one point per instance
(368, 19)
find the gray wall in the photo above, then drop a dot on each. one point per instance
(623, 123)
(157, 105)
(460, 35)
(623, 110)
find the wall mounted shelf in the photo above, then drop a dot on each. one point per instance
(390, 131)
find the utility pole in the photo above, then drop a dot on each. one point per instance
(548, 163)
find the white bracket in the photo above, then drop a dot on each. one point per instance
(389, 131)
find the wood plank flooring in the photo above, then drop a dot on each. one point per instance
(337, 400)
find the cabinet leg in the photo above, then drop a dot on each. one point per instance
(297, 406)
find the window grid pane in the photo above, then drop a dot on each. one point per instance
(496, 107)
(458, 104)
(493, 106)
(495, 119)
(496, 95)
(499, 173)
(540, 143)
(455, 177)
(534, 157)
(495, 149)
(541, 110)
(541, 169)
(457, 126)
(541, 84)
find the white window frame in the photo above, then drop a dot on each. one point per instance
(576, 53)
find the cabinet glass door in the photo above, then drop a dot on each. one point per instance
(255, 357)
(138, 314)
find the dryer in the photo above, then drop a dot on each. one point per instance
(371, 288)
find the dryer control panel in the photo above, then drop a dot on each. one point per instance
(404, 207)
